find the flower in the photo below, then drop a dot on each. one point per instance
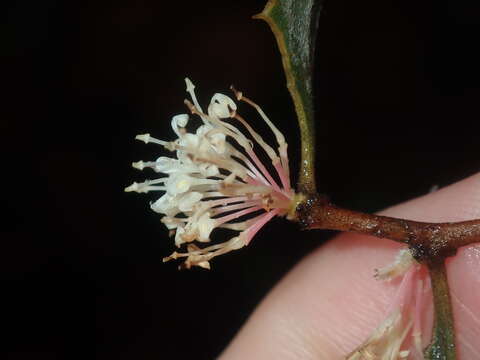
(404, 315)
(386, 340)
(217, 180)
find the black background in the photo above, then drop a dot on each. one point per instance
(397, 87)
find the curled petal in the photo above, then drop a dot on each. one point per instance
(221, 106)
(181, 120)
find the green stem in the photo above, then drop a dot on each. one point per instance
(442, 346)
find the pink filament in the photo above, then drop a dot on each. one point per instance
(404, 291)
(253, 229)
(253, 181)
(263, 170)
(225, 201)
(227, 208)
(255, 171)
(224, 219)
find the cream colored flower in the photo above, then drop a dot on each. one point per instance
(399, 336)
(386, 341)
(216, 179)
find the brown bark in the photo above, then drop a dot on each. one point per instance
(426, 240)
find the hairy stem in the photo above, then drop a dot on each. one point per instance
(442, 346)
(427, 241)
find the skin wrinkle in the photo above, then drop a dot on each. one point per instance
(314, 294)
(312, 328)
(365, 315)
(293, 330)
(472, 260)
(466, 309)
(298, 349)
(296, 332)
(337, 335)
(466, 337)
(363, 319)
(467, 351)
(466, 299)
(313, 345)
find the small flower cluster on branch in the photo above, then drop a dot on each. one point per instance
(217, 180)
(399, 336)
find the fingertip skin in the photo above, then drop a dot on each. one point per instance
(464, 280)
(330, 302)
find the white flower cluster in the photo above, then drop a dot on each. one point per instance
(213, 183)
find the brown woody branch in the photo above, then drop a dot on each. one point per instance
(427, 241)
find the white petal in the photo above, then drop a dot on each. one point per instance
(205, 227)
(187, 200)
(171, 222)
(204, 264)
(189, 141)
(208, 170)
(218, 142)
(204, 147)
(235, 243)
(181, 120)
(178, 236)
(140, 165)
(402, 263)
(178, 122)
(133, 187)
(221, 106)
(167, 165)
(167, 205)
(203, 129)
(178, 184)
(143, 137)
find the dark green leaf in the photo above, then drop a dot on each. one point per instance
(294, 24)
